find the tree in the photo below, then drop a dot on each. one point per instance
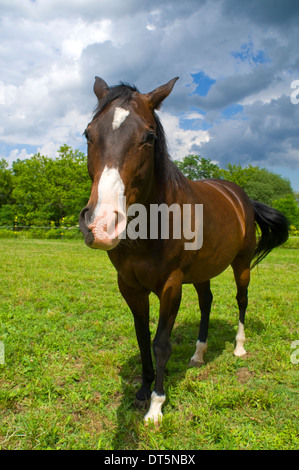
(238, 174)
(289, 207)
(48, 189)
(31, 189)
(266, 186)
(5, 183)
(195, 167)
(259, 183)
(72, 183)
(7, 214)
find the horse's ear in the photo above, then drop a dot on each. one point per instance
(100, 88)
(156, 96)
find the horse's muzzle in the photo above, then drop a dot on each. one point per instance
(105, 230)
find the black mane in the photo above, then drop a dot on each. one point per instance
(165, 169)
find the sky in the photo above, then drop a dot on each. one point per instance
(237, 62)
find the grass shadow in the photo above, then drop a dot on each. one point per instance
(128, 416)
(183, 342)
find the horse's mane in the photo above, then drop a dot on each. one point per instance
(165, 169)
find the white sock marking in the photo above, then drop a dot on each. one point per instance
(154, 413)
(240, 340)
(120, 116)
(201, 348)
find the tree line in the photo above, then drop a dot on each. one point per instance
(42, 191)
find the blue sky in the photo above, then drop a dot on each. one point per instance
(236, 62)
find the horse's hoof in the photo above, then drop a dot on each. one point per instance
(156, 421)
(240, 352)
(193, 363)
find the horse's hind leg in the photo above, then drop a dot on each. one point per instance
(241, 267)
(205, 298)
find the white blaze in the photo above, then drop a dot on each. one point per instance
(120, 116)
(110, 190)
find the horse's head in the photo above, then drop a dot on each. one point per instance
(121, 153)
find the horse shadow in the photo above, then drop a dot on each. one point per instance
(183, 341)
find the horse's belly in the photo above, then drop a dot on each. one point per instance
(207, 264)
(201, 273)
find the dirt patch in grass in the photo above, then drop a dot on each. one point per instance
(244, 375)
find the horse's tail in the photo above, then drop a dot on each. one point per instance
(274, 228)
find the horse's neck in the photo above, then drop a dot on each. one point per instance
(171, 187)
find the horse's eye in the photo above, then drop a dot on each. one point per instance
(87, 136)
(149, 138)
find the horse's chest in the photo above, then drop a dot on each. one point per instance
(143, 273)
(139, 271)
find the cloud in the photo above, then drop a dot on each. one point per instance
(247, 52)
(266, 135)
(84, 34)
(235, 88)
(268, 12)
(182, 142)
(18, 154)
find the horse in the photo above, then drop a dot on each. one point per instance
(129, 166)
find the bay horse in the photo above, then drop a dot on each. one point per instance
(129, 164)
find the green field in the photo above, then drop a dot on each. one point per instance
(72, 364)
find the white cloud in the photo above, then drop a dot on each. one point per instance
(181, 142)
(193, 115)
(151, 27)
(84, 34)
(49, 148)
(51, 51)
(18, 154)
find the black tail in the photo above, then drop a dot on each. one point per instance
(274, 230)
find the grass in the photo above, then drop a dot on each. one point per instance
(72, 364)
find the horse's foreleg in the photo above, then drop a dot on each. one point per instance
(170, 298)
(138, 302)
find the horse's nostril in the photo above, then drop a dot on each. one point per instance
(83, 220)
(83, 224)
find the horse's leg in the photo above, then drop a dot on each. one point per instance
(138, 302)
(241, 267)
(170, 299)
(205, 298)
